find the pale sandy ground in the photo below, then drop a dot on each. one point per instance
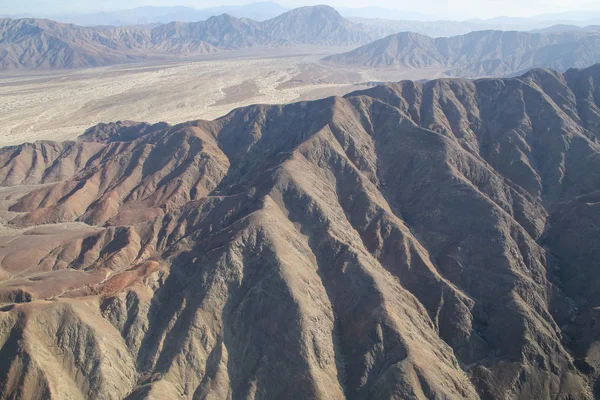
(61, 105)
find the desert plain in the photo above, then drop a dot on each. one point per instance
(60, 105)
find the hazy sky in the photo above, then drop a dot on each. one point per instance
(456, 9)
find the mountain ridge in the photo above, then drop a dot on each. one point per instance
(410, 240)
(45, 44)
(477, 54)
(145, 15)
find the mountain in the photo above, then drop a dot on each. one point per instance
(385, 26)
(45, 44)
(391, 21)
(136, 16)
(258, 11)
(568, 28)
(380, 28)
(315, 25)
(224, 31)
(483, 53)
(373, 12)
(581, 16)
(413, 240)
(162, 15)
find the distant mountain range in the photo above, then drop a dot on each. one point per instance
(386, 20)
(378, 27)
(160, 15)
(384, 13)
(260, 11)
(477, 54)
(45, 44)
(568, 28)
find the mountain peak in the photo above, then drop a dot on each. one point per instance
(322, 10)
(317, 25)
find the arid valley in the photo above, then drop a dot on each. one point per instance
(61, 105)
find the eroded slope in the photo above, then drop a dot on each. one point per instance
(409, 241)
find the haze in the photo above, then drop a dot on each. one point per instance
(435, 9)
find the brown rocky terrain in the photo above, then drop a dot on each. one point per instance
(409, 241)
(478, 54)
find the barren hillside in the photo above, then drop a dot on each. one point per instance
(478, 54)
(45, 44)
(409, 241)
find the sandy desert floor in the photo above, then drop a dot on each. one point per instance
(61, 105)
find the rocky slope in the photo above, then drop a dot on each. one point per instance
(410, 241)
(44, 44)
(478, 54)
